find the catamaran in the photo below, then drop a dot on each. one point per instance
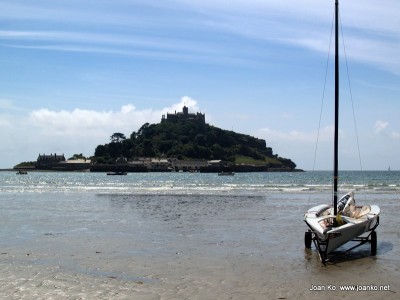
(333, 226)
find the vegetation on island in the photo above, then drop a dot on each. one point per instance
(189, 140)
(26, 164)
(32, 164)
(77, 156)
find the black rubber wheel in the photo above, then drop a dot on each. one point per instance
(307, 239)
(373, 243)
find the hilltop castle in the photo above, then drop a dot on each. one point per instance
(183, 116)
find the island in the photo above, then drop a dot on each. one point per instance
(181, 142)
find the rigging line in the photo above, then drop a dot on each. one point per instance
(322, 102)
(323, 98)
(352, 102)
(351, 98)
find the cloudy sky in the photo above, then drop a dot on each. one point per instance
(73, 72)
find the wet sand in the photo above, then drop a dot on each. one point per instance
(182, 247)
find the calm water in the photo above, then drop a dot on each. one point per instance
(181, 235)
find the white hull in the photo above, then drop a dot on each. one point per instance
(328, 238)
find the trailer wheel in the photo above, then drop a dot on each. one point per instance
(307, 239)
(373, 243)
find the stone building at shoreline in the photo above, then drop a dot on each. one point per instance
(45, 161)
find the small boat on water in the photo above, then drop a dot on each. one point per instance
(333, 226)
(20, 172)
(117, 173)
(226, 173)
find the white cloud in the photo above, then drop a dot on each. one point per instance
(325, 134)
(126, 109)
(380, 126)
(296, 145)
(77, 131)
(302, 147)
(189, 102)
(81, 122)
(371, 38)
(5, 124)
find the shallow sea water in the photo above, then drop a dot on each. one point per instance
(184, 236)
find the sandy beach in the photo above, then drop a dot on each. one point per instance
(122, 246)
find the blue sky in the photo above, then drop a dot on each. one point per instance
(74, 72)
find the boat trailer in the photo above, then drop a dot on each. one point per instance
(322, 245)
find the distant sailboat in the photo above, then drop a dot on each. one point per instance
(389, 169)
(332, 226)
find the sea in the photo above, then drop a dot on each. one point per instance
(82, 235)
(198, 183)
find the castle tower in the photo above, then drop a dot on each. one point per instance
(183, 116)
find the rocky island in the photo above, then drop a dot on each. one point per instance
(182, 141)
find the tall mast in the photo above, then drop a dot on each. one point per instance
(336, 146)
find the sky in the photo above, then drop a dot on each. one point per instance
(73, 72)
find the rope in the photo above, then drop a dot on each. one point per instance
(323, 98)
(352, 101)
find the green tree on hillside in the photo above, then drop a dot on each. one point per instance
(117, 137)
(189, 139)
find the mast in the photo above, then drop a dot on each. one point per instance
(336, 138)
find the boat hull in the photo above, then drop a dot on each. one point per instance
(328, 236)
